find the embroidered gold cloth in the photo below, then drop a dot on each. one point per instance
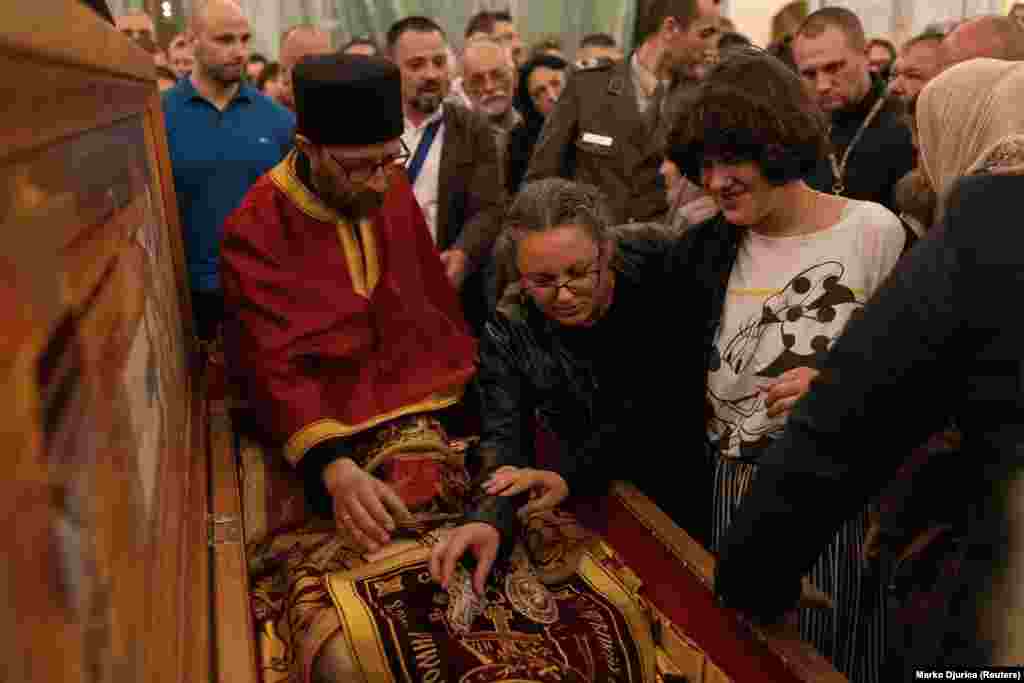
(564, 608)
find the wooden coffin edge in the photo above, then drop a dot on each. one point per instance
(234, 636)
(799, 656)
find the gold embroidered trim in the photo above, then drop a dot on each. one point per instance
(321, 430)
(364, 640)
(285, 177)
(362, 256)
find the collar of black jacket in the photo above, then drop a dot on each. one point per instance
(859, 111)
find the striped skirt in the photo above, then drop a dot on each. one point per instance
(852, 635)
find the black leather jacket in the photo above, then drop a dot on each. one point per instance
(531, 368)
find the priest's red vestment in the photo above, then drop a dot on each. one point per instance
(335, 328)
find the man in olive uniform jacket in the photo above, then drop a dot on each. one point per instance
(601, 131)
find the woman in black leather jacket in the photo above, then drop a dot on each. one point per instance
(573, 347)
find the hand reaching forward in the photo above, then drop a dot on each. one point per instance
(363, 504)
(482, 540)
(547, 489)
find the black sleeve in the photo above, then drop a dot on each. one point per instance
(311, 469)
(887, 381)
(507, 426)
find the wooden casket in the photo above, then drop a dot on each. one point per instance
(124, 500)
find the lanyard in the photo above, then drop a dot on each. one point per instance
(839, 167)
(416, 165)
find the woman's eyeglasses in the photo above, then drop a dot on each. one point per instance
(544, 287)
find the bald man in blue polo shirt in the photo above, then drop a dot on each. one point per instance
(222, 135)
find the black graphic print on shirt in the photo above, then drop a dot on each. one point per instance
(794, 327)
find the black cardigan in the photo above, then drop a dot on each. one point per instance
(942, 335)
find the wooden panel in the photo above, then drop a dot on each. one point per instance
(235, 633)
(68, 32)
(82, 103)
(104, 488)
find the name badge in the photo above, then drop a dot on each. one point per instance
(595, 139)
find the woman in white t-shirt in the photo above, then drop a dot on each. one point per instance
(773, 281)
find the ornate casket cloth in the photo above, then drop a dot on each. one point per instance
(399, 626)
(311, 582)
(322, 606)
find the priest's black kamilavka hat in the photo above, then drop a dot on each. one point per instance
(348, 100)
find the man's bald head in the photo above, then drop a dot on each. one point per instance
(301, 41)
(297, 43)
(994, 37)
(210, 13)
(220, 38)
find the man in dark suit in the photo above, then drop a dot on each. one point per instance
(602, 131)
(453, 167)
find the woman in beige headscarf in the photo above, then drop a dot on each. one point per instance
(971, 118)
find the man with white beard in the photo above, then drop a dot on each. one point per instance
(488, 73)
(490, 82)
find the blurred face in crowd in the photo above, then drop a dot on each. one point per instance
(565, 272)
(740, 190)
(1017, 13)
(691, 47)
(878, 59)
(599, 52)
(505, 32)
(179, 55)
(422, 58)
(361, 49)
(834, 70)
(545, 88)
(918, 64)
(299, 44)
(253, 70)
(221, 42)
(275, 89)
(353, 180)
(487, 77)
(973, 39)
(138, 27)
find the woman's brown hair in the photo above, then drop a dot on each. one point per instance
(751, 107)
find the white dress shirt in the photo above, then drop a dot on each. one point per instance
(645, 83)
(426, 184)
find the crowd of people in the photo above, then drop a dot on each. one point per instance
(776, 275)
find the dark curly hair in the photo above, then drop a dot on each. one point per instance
(751, 107)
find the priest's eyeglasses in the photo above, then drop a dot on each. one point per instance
(546, 287)
(361, 172)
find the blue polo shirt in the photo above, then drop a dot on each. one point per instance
(216, 157)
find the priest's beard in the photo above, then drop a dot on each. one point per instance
(352, 205)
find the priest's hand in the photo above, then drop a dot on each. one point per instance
(455, 262)
(363, 505)
(476, 537)
(784, 392)
(547, 489)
